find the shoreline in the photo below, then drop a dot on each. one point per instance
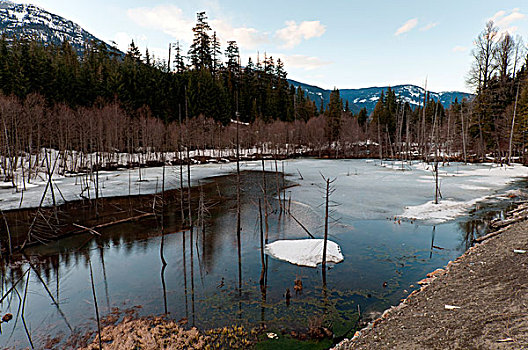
(142, 180)
(474, 302)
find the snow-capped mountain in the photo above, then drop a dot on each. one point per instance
(368, 97)
(23, 20)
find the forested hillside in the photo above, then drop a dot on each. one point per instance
(208, 81)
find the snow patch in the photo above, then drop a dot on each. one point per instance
(304, 252)
(474, 188)
(444, 211)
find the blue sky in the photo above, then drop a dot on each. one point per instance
(344, 44)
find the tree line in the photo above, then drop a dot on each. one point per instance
(492, 125)
(108, 104)
(206, 82)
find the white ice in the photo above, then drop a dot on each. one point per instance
(432, 213)
(366, 190)
(363, 188)
(304, 252)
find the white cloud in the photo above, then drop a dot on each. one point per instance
(123, 40)
(168, 18)
(459, 49)
(294, 33)
(302, 61)
(407, 26)
(246, 37)
(429, 26)
(498, 15)
(171, 20)
(504, 20)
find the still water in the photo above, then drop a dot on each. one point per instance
(205, 283)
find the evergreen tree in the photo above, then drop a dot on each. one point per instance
(201, 52)
(333, 116)
(178, 62)
(233, 57)
(217, 54)
(133, 52)
(362, 117)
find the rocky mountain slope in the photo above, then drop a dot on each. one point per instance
(23, 20)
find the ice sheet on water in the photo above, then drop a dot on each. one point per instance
(366, 190)
(363, 189)
(304, 252)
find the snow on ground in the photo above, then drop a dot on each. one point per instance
(476, 179)
(304, 252)
(114, 183)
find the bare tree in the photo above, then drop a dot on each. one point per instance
(484, 53)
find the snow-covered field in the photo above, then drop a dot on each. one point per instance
(363, 189)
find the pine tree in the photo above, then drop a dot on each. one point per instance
(217, 54)
(333, 116)
(233, 57)
(200, 52)
(362, 117)
(133, 52)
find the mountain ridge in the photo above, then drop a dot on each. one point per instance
(26, 20)
(367, 97)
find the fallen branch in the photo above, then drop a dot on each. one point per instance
(490, 235)
(508, 222)
(133, 218)
(87, 229)
(303, 227)
(83, 229)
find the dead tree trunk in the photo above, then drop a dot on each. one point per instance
(328, 192)
(513, 125)
(463, 134)
(263, 271)
(238, 224)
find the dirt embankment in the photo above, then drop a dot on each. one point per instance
(480, 301)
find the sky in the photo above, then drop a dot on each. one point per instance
(339, 43)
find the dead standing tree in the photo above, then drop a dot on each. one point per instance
(239, 209)
(329, 190)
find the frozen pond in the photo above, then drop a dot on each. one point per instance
(388, 234)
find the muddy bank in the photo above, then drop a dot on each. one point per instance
(478, 302)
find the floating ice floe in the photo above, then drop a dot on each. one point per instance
(304, 252)
(444, 211)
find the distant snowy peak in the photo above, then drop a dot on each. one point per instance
(368, 97)
(23, 20)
